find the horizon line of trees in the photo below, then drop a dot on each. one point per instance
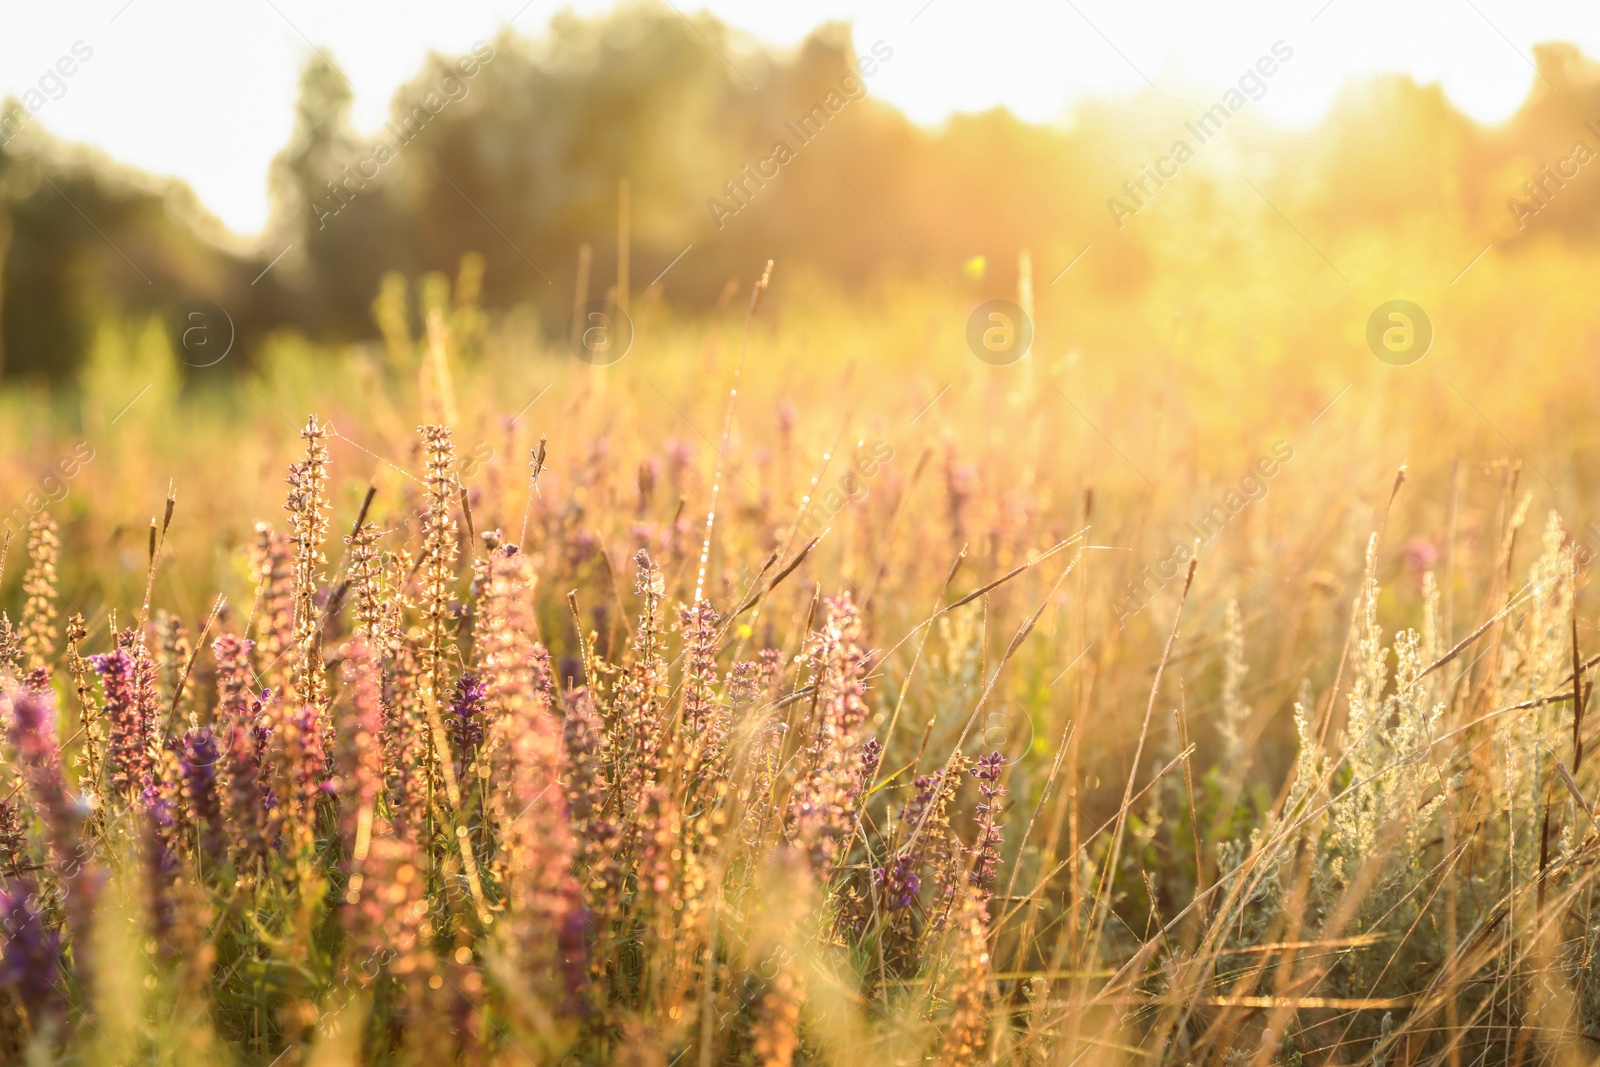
(526, 151)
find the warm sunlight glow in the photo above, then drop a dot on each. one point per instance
(799, 533)
(189, 89)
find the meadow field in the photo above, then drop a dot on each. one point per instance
(797, 683)
(335, 729)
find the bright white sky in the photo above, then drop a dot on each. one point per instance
(204, 90)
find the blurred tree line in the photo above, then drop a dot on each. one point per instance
(518, 150)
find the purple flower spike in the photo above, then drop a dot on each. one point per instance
(31, 956)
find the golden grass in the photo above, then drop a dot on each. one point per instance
(1321, 797)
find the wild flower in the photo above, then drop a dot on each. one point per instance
(405, 745)
(273, 563)
(12, 652)
(637, 710)
(174, 656)
(439, 543)
(30, 956)
(699, 623)
(594, 826)
(436, 572)
(37, 680)
(633, 826)
(986, 847)
(13, 839)
(530, 808)
(370, 612)
(900, 881)
(159, 846)
(39, 584)
(71, 854)
(744, 683)
(34, 740)
(466, 720)
(923, 832)
(771, 672)
(248, 801)
(90, 759)
(823, 805)
(661, 862)
(202, 797)
(307, 506)
(302, 771)
(131, 709)
(757, 791)
(235, 682)
(359, 757)
(871, 756)
(935, 842)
